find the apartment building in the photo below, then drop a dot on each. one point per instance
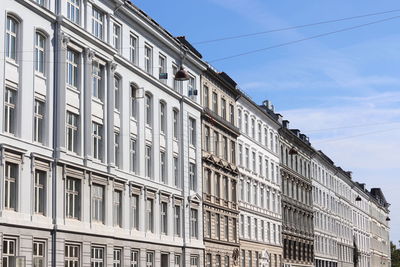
(259, 185)
(379, 229)
(297, 207)
(93, 173)
(220, 173)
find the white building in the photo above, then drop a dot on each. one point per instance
(100, 155)
(259, 185)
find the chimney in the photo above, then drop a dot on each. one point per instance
(296, 132)
(272, 108)
(280, 117)
(266, 103)
(285, 124)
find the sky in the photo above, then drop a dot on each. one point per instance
(342, 90)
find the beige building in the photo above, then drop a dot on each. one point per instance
(220, 174)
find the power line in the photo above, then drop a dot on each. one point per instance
(303, 39)
(357, 135)
(352, 126)
(292, 27)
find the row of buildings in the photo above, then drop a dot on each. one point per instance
(121, 146)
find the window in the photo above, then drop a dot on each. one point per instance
(253, 130)
(250, 259)
(117, 208)
(207, 226)
(240, 119)
(72, 68)
(162, 67)
(206, 96)
(73, 13)
(175, 126)
(194, 231)
(40, 191)
(226, 261)
(232, 115)
(97, 257)
(215, 102)
(9, 252)
(218, 261)
(163, 168)
(133, 41)
(217, 185)
(253, 154)
(234, 229)
(149, 259)
(192, 86)
(97, 73)
(218, 226)
(98, 203)
(117, 257)
(226, 225)
(177, 260)
(149, 109)
(73, 198)
(97, 23)
(263, 230)
(135, 212)
(39, 252)
(216, 143)
(241, 155)
(223, 108)
(177, 85)
(247, 155)
(134, 258)
(243, 257)
(10, 102)
(11, 38)
(164, 218)
(116, 149)
(177, 228)
(148, 59)
(208, 260)
(192, 176)
(246, 124)
(176, 172)
(256, 228)
(259, 132)
(225, 148)
(10, 187)
(150, 215)
(39, 52)
(117, 95)
(97, 136)
(40, 2)
(163, 117)
(207, 138)
(72, 132)
(71, 256)
(148, 162)
(248, 227)
(117, 37)
(194, 261)
(192, 131)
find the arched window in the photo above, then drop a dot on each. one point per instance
(11, 38)
(149, 110)
(176, 124)
(40, 43)
(163, 117)
(117, 92)
(133, 105)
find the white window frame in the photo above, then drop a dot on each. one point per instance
(97, 23)
(73, 11)
(38, 121)
(98, 202)
(72, 60)
(97, 256)
(10, 110)
(11, 181)
(133, 43)
(72, 255)
(72, 134)
(40, 192)
(73, 188)
(97, 141)
(12, 38)
(148, 59)
(40, 55)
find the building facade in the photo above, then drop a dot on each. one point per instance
(220, 173)
(379, 218)
(297, 207)
(260, 185)
(93, 173)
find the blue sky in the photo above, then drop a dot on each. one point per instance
(346, 79)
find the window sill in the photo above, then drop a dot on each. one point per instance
(40, 75)
(73, 89)
(12, 62)
(97, 100)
